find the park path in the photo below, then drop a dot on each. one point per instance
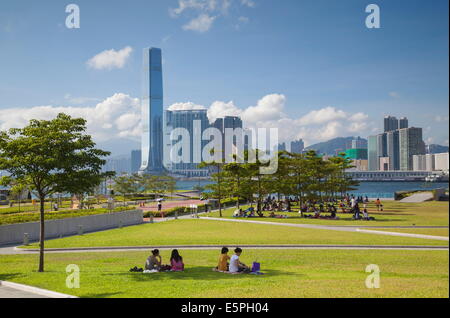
(418, 197)
(333, 228)
(15, 290)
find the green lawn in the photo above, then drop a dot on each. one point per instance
(395, 213)
(288, 273)
(209, 232)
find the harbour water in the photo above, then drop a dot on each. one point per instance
(369, 189)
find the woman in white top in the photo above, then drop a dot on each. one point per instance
(235, 265)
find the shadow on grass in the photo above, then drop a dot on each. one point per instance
(101, 295)
(196, 273)
(10, 276)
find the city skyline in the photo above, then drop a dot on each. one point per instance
(347, 98)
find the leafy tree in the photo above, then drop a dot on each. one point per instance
(217, 188)
(50, 156)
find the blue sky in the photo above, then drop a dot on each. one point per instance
(315, 58)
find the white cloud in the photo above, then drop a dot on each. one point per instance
(322, 116)
(220, 109)
(208, 11)
(119, 116)
(248, 3)
(200, 24)
(116, 116)
(315, 126)
(110, 59)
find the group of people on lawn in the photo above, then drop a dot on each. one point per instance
(349, 204)
(226, 263)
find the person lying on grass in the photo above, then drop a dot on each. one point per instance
(176, 262)
(235, 265)
(223, 260)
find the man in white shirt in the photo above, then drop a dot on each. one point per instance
(235, 265)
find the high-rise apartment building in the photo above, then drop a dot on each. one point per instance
(390, 123)
(403, 123)
(152, 112)
(410, 143)
(194, 122)
(393, 148)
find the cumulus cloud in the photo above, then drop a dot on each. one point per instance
(248, 3)
(119, 116)
(110, 59)
(200, 24)
(315, 126)
(116, 116)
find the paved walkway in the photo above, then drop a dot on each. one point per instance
(333, 228)
(418, 197)
(8, 292)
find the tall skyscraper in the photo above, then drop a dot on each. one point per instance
(187, 119)
(390, 123)
(393, 147)
(403, 123)
(152, 112)
(411, 143)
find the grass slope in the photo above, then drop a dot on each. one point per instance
(291, 273)
(208, 232)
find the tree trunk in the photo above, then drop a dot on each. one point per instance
(42, 236)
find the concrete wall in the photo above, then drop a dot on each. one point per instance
(14, 233)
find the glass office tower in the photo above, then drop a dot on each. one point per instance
(152, 112)
(372, 153)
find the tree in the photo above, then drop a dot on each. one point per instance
(217, 187)
(126, 185)
(50, 156)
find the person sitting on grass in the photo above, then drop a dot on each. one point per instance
(223, 260)
(153, 261)
(176, 262)
(237, 213)
(235, 265)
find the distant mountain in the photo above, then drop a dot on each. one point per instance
(436, 148)
(336, 145)
(119, 146)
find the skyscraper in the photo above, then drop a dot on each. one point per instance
(393, 149)
(195, 122)
(411, 143)
(152, 112)
(403, 123)
(390, 123)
